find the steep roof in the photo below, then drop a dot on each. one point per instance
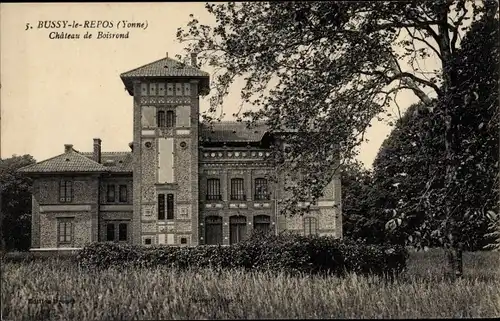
(69, 162)
(232, 131)
(164, 68)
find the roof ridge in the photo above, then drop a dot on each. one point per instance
(80, 155)
(72, 153)
(184, 65)
(40, 162)
(114, 152)
(150, 63)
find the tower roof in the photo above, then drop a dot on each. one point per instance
(162, 69)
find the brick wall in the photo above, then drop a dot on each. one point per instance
(82, 211)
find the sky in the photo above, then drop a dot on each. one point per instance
(68, 91)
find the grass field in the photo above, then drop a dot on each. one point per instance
(158, 294)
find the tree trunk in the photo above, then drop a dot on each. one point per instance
(454, 251)
(454, 261)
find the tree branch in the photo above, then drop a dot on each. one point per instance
(457, 24)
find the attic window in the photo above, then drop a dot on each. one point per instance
(67, 159)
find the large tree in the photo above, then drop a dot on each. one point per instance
(15, 194)
(359, 220)
(325, 69)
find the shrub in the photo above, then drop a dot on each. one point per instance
(284, 253)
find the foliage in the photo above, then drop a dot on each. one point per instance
(493, 234)
(172, 294)
(324, 70)
(15, 191)
(284, 253)
(412, 167)
(359, 196)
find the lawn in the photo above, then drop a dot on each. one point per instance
(160, 293)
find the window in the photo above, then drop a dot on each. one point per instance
(144, 89)
(122, 232)
(161, 89)
(187, 89)
(237, 189)
(161, 206)
(237, 228)
(184, 240)
(262, 224)
(65, 191)
(111, 193)
(178, 89)
(261, 189)
(310, 226)
(152, 89)
(123, 193)
(117, 231)
(160, 118)
(110, 232)
(170, 118)
(170, 206)
(65, 231)
(213, 230)
(147, 241)
(213, 189)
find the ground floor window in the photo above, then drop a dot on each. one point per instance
(237, 229)
(64, 231)
(310, 226)
(262, 224)
(117, 231)
(213, 230)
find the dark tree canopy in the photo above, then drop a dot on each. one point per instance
(324, 70)
(332, 66)
(15, 191)
(411, 162)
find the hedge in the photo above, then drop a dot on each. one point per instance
(286, 253)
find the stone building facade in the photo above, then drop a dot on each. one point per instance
(183, 182)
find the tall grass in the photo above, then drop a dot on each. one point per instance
(161, 293)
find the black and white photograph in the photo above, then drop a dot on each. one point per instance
(249, 160)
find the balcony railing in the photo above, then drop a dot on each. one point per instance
(238, 197)
(214, 197)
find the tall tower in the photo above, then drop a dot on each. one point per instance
(165, 151)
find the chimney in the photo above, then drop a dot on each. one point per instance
(68, 148)
(193, 60)
(167, 54)
(131, 145)
(97, 150)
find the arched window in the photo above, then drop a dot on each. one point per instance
(262, 224)
(213, 189)
(261, 192)
(237, 189)
(213, 230)
(237, 229)
(310, 226)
